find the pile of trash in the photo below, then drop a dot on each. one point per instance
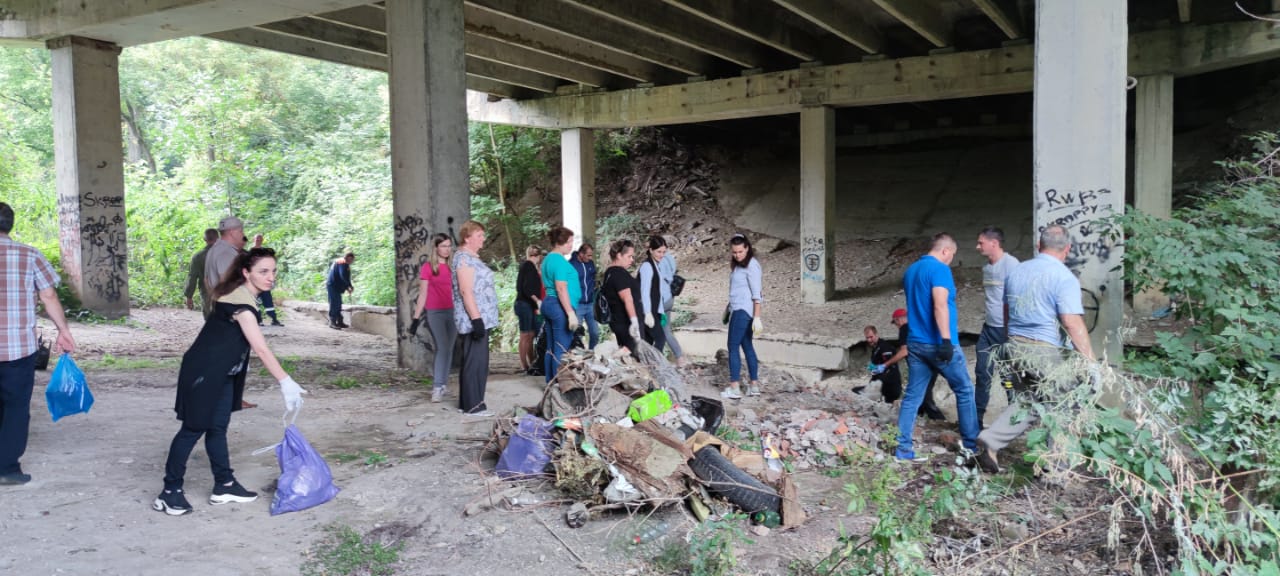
(616, 433)
(813, 438)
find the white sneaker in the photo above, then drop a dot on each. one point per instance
(437, 395)
(753, 390)
(731, 393)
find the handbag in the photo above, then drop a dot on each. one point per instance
(725, 319)
(677, 285)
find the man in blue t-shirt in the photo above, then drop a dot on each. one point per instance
(931, 313)
(1038, 294)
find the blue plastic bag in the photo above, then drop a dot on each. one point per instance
(67, 393)
(529, 450)
(305, 480)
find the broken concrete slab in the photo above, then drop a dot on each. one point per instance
(802, 350)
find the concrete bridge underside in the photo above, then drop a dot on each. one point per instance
(579, 65)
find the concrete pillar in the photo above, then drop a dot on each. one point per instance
(429, 179)
(578, 183)
(1153, 165)
(817, 204)
(89, 161)
(1079, 147)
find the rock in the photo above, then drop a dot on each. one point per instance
(499, 530)
(766, 244)
(414, 422)
(1014, 531)
(748, 415)
(939, 450)
(760, 530)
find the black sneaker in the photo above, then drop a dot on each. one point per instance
(15, 479)
(276, 323)
(223, 494)
(172, 502)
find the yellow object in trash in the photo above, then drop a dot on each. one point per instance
(649, 405)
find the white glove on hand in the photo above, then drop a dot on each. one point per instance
(573, 320)
(757, 327)
(634, 330)
(648, 320)
(292, 394)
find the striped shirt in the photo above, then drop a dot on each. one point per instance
(24, 271)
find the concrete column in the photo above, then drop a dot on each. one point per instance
(89, 161)
(1079, 147)
(1153, 165)
(429, 179)
(578, 183)
(817, 204)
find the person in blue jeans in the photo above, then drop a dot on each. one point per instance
(562, 285)
(931, 312)
(745, 298)
(583, 262)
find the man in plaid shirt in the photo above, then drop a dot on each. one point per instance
(24, 274)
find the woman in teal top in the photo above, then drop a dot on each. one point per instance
(563, 289)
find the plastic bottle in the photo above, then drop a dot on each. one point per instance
(649, 405)
(772, 458)
(651, 533)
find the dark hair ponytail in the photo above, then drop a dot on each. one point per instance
(234, 277)
(741, 240)
(618, 247)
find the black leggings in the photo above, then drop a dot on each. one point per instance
(622, 331)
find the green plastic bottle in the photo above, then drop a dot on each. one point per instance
(649, 405)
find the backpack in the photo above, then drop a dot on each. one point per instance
(603, 314)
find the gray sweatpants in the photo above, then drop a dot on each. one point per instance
(671, 340)
(443, 334)
(1037, 362)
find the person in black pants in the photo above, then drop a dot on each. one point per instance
(529, 292)
(619, 288)
(890, 377)
(339, 281)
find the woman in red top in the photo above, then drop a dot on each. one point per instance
(435, 297)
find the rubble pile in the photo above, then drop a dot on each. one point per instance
(619, 433)
(812, 438)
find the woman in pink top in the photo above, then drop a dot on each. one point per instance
(435, 297)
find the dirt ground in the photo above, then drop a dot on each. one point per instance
(407, 469)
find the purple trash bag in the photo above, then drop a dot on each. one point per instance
(529, 450)
(305, 480)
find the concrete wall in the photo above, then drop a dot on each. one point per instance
(890, 194)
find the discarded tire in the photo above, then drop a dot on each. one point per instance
(731, 483)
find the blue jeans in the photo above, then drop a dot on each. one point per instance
(17, 378)
(215, 444)
(559, 338)
(740, 335)
(922, 364)
(335, 304)
(989, 343)
(587, 316)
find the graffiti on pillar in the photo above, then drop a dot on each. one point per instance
(412, 238)
(69, 234)
(813, 253)
(91, 201)
(1079, 212)
(105, 258)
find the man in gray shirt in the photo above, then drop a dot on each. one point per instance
(1039, 294)
(222, 255)
(994, 272)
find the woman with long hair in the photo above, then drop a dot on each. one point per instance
(563, 290)
(211, 381)
(745, 299)
(619, 288)
(651, 297)
(435, 299)
(475, 313)
(528, 305)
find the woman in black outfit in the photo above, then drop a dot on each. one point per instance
(211, 381)
(618, 289)
(528, 303)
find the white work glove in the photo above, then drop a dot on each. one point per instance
(648, 320)
(757, 327)
(573, 320)
(634, 330)
(292, 394)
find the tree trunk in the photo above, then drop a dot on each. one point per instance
(502, 195)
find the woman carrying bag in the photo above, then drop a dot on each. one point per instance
(211, 381)
(651, 297)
